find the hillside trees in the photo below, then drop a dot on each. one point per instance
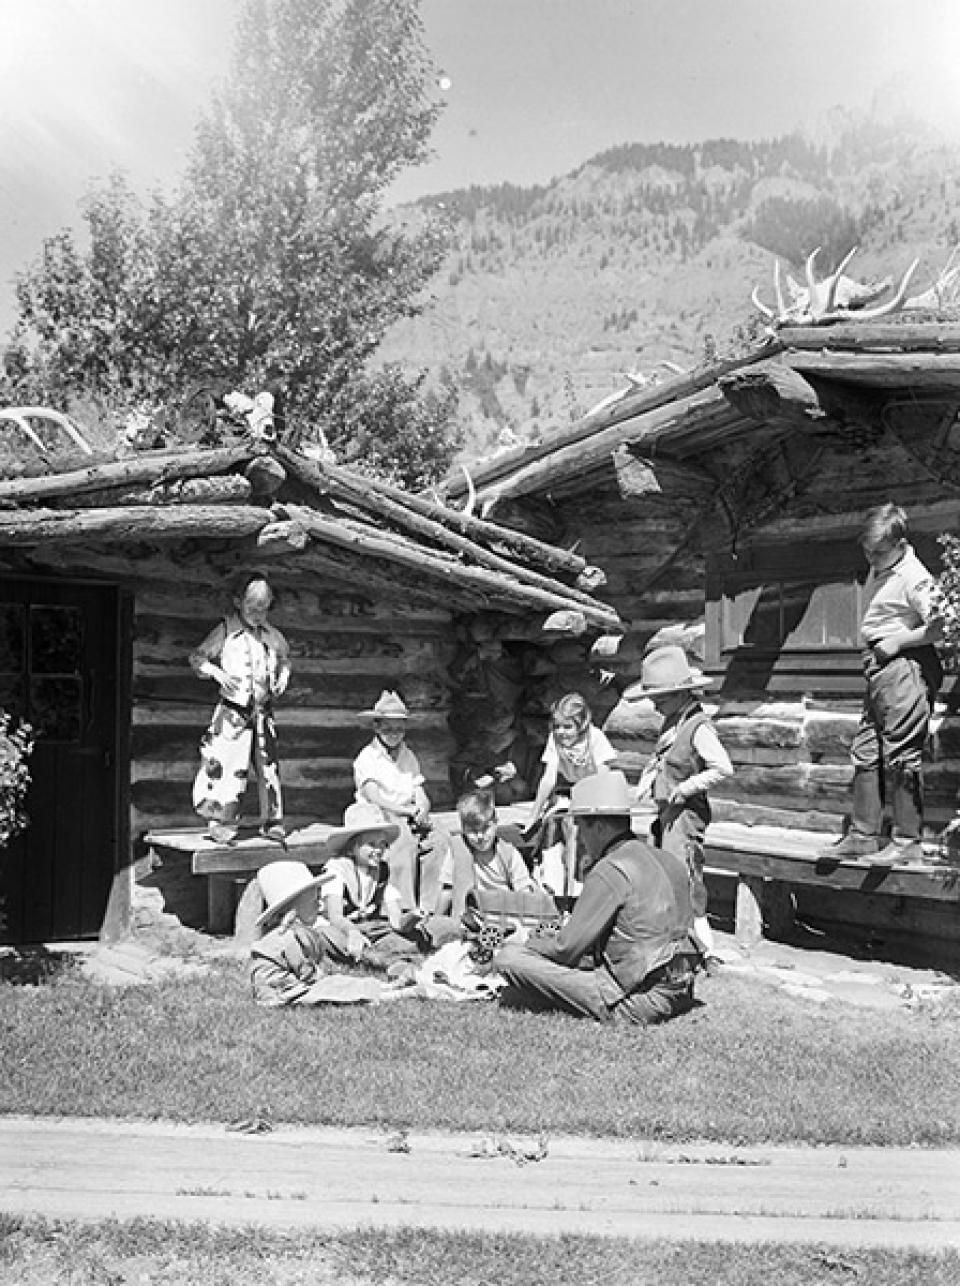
(272, 262)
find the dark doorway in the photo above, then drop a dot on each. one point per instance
(58, 670)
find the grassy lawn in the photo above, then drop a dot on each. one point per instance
(751, 1065)
(36, 1252)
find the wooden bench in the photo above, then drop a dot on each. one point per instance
(229, 868)
(767, 860)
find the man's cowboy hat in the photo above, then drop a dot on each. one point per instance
(360, 819)
(604, 794)
(389, 705)
(666, 669)
(281, 883)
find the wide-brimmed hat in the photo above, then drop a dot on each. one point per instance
(605, 793)
(666, 669)
(282, 882)
(360, 819)
(389, 705)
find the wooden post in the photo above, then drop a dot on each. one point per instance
(749, 922)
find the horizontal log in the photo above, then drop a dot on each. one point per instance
(227, 488)
(132, 524)
(866, 336)
(881, 369)
(146, 468)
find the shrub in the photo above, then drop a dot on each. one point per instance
(16, 745)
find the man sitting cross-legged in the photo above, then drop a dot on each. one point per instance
(633, 919)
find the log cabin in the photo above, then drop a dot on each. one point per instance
(724, 505)
(111, 573)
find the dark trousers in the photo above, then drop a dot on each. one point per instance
(893, 728)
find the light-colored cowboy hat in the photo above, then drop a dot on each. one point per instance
(666, 669)
(360, 819)
(282, 882)
(389, 705)
(604, 794)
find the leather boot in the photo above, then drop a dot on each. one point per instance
(863, 837)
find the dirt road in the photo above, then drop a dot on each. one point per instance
(296, 1178)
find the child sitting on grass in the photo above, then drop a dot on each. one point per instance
(362, 908)
(479, 858)
(292, 954)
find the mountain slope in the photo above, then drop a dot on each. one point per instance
(647, 254)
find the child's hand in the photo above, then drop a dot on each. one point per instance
(356, 943)
(229, 686)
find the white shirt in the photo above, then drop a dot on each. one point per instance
(901, 599)
(397, 778)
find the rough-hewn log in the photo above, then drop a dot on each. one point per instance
(282, 538)
(881, 370)
(147, 469)
(492, 586)
(625, 410)
(131, 524)
(646, 428)
(363, 491)
(267, 475)
(221, 489)
(861, 337)
(771, 392)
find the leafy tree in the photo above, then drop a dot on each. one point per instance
(793, 226)
(272, 263)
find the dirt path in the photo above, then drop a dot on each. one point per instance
(327, 1179)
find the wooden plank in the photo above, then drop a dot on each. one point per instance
(939, 883)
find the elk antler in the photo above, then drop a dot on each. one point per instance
(836, 297)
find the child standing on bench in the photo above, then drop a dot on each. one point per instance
(688, 760)
(249, 660)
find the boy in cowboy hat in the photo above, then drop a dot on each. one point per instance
(632, 919)
(687, 762)
(387, 776)
(291, 955)
(363, 909)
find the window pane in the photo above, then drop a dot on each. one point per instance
(56, 635)
(55, 708)
(12, 697)
(11, 638)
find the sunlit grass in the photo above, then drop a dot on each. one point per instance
(750, 1065)
(36, 1252)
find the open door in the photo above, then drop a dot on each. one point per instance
(58, 670)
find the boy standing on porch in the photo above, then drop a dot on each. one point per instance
(903, 674)
(250, 661)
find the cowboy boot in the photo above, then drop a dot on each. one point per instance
(863, 837)
(904, 846)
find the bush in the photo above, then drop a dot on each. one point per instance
(16, 745)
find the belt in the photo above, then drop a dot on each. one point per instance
(250, 708)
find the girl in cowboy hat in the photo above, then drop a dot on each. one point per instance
(387, 776)
(362, 907)
(291, 955)
(688, 760)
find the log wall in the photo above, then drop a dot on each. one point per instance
(788, 736)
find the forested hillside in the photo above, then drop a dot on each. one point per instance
(643, 259)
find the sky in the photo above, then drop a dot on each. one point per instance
(532, 88)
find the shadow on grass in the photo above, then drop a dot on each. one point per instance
(31, 966)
